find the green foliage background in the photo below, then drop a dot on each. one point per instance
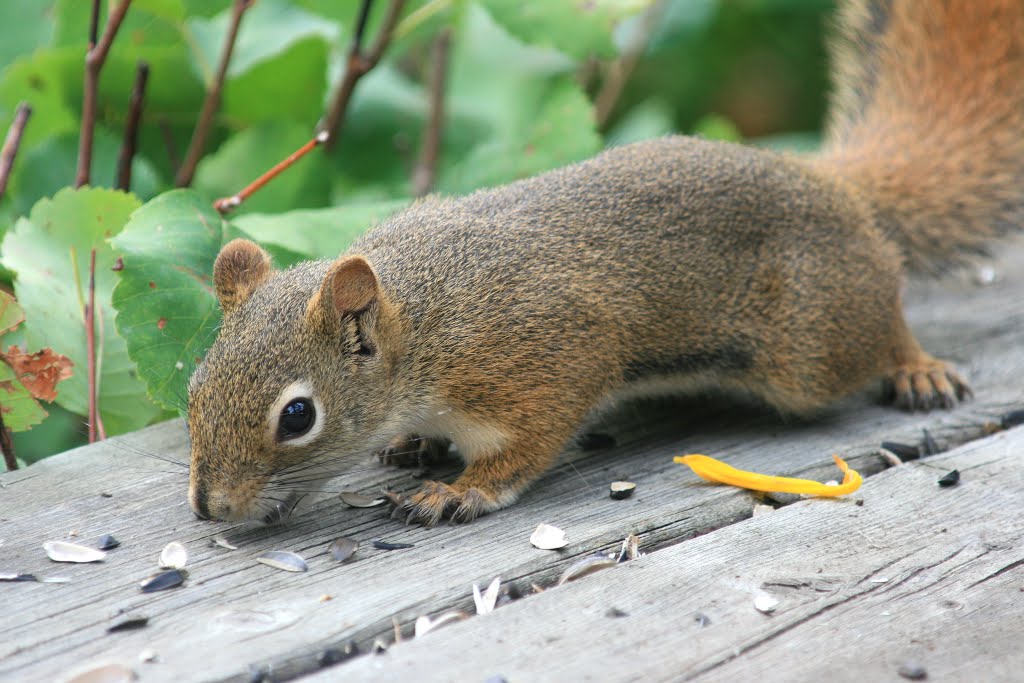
(522, 80)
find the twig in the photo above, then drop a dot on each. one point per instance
(587, 73)
(94, 59)
(94, 23)
(227, 204)
(421, 15)
(622, 68)
(131, 128)
(101, 432)
(7, 446)
(168, 135)
(12, 142)
(211, 104)
(90, 347)
(424, 174)
(360, 63)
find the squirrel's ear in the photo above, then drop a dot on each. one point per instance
(241, 267)
(349, 287)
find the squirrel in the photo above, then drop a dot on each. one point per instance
(500, 320)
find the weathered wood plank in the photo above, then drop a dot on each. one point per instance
(915, 574)
(235, 614)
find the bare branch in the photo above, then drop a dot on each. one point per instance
(101, 432)
(90, 346)
(94, 24)
(359, 64)
(197, 147)
(228, 204)
(426, 165)
(95, 56)
(622, 68)
(168, 136)
(7, 446)
(12, 142)
(131, 128)
(357, 35)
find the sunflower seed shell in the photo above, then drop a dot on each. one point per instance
(107, 542)
(547, 537)
(342, 548)
(62, 551)
(283, 560)
(172, 578)
(174, 556)
(621, 490)
(588, 565)
(358, 500)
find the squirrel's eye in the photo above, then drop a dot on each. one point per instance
(296, 418)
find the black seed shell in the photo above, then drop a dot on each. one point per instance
(171, 578)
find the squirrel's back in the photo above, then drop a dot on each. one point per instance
(620, 253)
(928, 120)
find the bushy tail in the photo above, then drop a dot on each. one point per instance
(928, 119)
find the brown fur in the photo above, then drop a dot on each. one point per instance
(928, 120)
(240, 268)
(500, 320)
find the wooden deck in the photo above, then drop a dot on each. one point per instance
(900, 573)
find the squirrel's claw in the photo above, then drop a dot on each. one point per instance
(436, 500)
(928, 384)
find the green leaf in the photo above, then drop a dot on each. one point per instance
(63, 431)
(792, 143)
(50, 166)
(324, 233)
(166, 309)
(381, 130)
(647, 120)
(246, 155)
(20, 410)
(578, 28)
(148, 22)
(717, 127)
(292, 86)
(526, 109)
(40, 82)
(23, 27)
(268, 29)
(49, 251)
(278, 68)
(560, 131)
(11, 313)
(152, 31)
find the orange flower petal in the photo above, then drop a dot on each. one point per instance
(718, 472)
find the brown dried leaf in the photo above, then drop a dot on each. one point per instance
(39, 372)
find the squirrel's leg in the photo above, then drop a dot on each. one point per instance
(918, 381)
(489, 483)
(413, 451)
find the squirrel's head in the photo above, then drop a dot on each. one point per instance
(295, 381)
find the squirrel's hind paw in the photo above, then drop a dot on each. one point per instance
(436, 500)
(926, 384)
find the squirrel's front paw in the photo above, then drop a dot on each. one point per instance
(435, 501)
(926, 384)
(413, 451)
